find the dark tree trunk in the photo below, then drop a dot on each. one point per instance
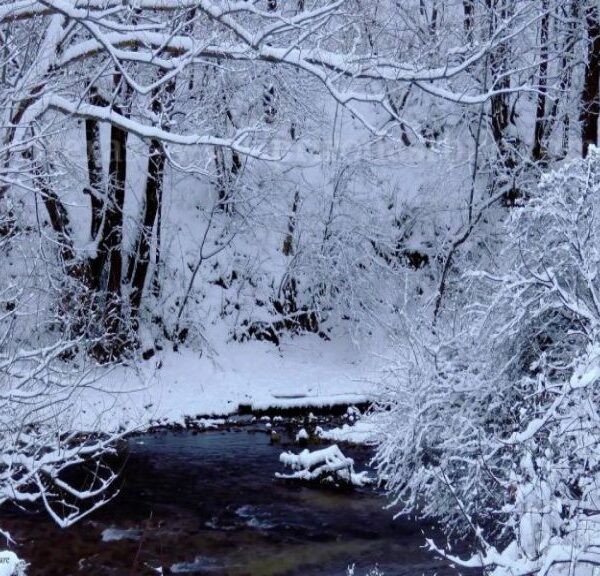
(94, 163)
(269, 93)
(500, 109)
(288, 243)
(590, 101)
(138, 269)
(539, 152)
(113, 231)
(221, 180)
(566, 66)
(157, 252)
(430, 19)
(108, 261)
(77, 302)
(469, 19)
(59, 220)
(139, 262)
(500, 105)
(225, 179)
(269, 103)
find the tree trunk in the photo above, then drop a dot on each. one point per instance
(59, 220)
(590, 101)
(566, 66)
(539, 152)
(77, 302)
(140, 262)
(500, 109)
(269, 92)
(469, 19)
(431, 20)
(226, 173)
(108, 262)
(113, 233)
(499, 66)
(94, 163)
(288, 242)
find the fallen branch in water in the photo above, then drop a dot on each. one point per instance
(328, 465)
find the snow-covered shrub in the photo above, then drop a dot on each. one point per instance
(48, 455)
(494, 424)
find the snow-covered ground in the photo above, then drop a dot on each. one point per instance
(174, 386)
(364, 431)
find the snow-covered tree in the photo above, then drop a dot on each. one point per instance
(51, 453)
(494, 422)
(183, 89)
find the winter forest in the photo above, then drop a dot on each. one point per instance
(299, 287)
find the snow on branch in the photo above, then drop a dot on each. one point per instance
(305, 40)
(144, 131)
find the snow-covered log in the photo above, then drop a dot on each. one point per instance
(328, 465)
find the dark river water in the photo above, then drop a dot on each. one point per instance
(208, 503)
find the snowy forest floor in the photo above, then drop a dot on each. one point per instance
(173, 387)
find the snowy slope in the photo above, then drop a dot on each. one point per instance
(175, 385)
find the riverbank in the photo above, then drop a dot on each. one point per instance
(176, 388)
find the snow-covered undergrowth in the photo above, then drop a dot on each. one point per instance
(328, 465)
(494, 426)
(45, 382)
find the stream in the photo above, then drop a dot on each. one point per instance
(207, 503)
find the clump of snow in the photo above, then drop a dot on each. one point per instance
(209, 423)
(361, 429)
(199, 564)
(351, 571)
(327, 465)
(117, 534)
(361, 432)
(11, 564)
(254, 517)
(302, 435)
(352, 413)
